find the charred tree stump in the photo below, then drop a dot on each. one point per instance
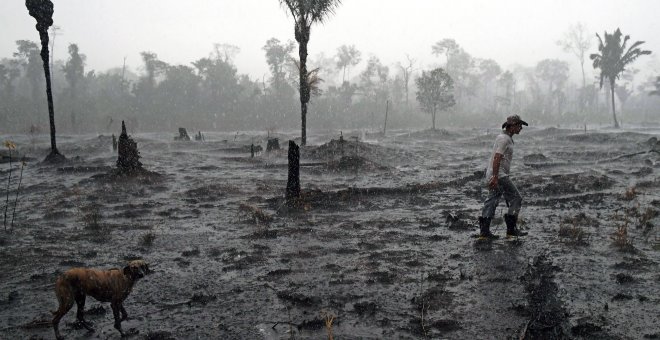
(293, 183)
(341, 143)
(183, 135)
(199, 136)
(273, 144)
(114, 142)
(128, 160)
(251, 150)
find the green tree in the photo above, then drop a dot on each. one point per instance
(406, 72)
(347, 56)
(306, 13)
(623, 93)
(488, 69)
(219, 87)
(7, 76)
(373, 79)
(74, 73)
(145, 89)
(656, 92)
(448, 47)
(27, 56)
(435, 90)
(507, 83)
(614, 55)
(575, 41)
(179, 93)
(277, 55)
(555, 73)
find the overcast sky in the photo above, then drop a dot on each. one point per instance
(179, 32)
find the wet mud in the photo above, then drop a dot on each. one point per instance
(380, 244)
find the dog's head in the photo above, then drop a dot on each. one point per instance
(136, 269)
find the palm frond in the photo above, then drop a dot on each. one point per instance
(307, 12)
(313, 79)
(625, 42)
(322, 9)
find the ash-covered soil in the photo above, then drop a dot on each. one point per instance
(382, 239)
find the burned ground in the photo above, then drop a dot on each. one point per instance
(381, 240)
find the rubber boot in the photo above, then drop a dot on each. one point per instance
(484, 226)
(511, 229)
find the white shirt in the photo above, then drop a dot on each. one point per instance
(504, 146)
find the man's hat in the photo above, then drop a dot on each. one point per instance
(513, 120)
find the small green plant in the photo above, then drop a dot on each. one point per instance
(644, 219)
(328, 318)
(254, 214)
(18, 190)
(147, 239)
(573, 234)
(630, 194)
(91, 217)
(10, 146)
(423, 304)
(620, 237)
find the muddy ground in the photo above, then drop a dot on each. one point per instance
(382, 240)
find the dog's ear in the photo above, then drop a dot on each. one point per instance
(128, 271)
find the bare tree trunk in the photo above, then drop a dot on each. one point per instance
(54, 153)
(302, 35)
(433, 118)
(293, 182)
(616, 123)
(584, 79)
(387, 107)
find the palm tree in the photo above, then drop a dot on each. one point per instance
(305, 13)
(313, 80)
(656, 92)
(42, 11)
(613, 58)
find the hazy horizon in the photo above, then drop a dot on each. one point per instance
(510, 32)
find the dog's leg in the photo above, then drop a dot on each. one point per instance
(124, 315)
(64, 295)
(80, 301)
(116, 306)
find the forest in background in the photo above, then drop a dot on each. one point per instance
(349, 91)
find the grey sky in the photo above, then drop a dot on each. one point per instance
(508, 31)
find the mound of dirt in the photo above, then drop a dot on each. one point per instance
(432, 134)
(342, 154)
(347, 163)
(599, 137)
(16, 157)
(551, 131)
(535, 158)
(333, 148)
(576, 183)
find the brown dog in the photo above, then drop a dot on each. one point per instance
(112, 286)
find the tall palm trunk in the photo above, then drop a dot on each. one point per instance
(616, 123)
(302, 36)
(43, 35)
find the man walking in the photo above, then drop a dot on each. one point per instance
(499, 182)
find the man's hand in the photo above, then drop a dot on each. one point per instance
(492, 183)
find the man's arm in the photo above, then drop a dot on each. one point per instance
(497, 159)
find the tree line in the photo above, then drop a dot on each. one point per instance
(210, 93)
